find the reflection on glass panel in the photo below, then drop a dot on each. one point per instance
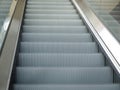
(115, 12)
(109, 13)
(4, 10)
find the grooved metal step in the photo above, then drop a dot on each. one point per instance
(60, 60)
(68, 87)
(49, 7)
(3, 6)
(49, 3)
(58, 47)
(50, 0)
(47, 75)
(54, 29)
(41, 11)
(53, 22)
(30, 37)
(3, 11)
(52, 16)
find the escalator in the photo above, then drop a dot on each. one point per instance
(58, 52)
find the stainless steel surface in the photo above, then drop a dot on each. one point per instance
(110, 45)
(7, 22)
(9, 48)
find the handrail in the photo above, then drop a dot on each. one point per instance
(8, 52)
(6, 23)
(106, 40)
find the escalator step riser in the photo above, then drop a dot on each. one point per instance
(106, 8)
(67, 87)
(1, 22)
(50, 11)
(5, 7)
(106, 17)
(113, 23)
(29, 37)
(46, 16)
(59, 29)
(58, 47)
(53, 22)
(63, 75)
(60, 60)
(49, 0)
(106, 13)
(116, 17)
(49, 7)
(2, 14)
(49, 3)
(6, 3)
(4, 11)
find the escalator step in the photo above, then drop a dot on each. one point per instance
(2, 15)
(113, 23)
(67, 87)
(42, 11)
(53, 22)
(49, 0)
(3, 11)
(47, 75)
(4, 6)
(49, 7)
(105, 1)
(58, 47)
(60, 60)
(30, 37)
(52, 16)
(105, 8)
(1, 22)
(4, 2)
(54, 29)
(49, 3)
